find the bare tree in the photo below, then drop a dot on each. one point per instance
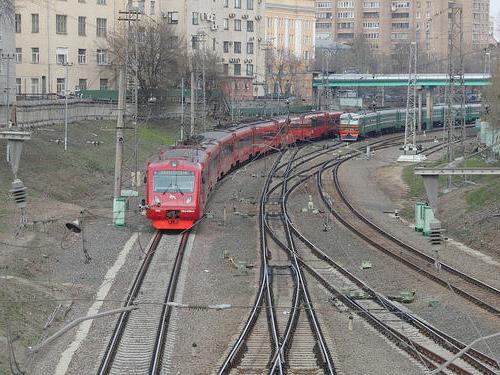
(6, 10)
(160, 61)
(283, 68)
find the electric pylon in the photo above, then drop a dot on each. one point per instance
(410, 143)
(455, 93)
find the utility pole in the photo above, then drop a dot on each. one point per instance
(8, 57)
(182, 108)
(66, 65)
(193, 99)
(119, 134)
(455, 95)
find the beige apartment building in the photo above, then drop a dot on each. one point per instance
(387, 23)
(233, 30)
(290, 34)
(59, 42)
(55, 38)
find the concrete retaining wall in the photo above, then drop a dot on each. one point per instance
(32, 113)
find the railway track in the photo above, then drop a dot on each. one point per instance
(474, 290)
(280, 336)
(425, 343)
(137, 342)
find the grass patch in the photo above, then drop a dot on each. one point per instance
(47, 170)
(155, 136)
(483, 196)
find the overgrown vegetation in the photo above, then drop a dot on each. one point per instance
(68, 176)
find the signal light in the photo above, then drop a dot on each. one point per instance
(18, 191)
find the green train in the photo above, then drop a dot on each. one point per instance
(354, 125)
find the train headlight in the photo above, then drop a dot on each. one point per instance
(157, 201)
(189, 199)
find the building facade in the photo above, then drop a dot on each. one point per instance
(64, 42)
(385, 24)
(290, 37)
(232, 30)
(7, 66)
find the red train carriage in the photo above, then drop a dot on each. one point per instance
(173, 191)
(180, 181)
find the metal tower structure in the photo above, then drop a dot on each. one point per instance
(410, 143)
(455, 93)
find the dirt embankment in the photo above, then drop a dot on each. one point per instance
(42, 265)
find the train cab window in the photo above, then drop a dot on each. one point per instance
(173, 181)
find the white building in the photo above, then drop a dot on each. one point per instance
(7, 66)
(53, 33)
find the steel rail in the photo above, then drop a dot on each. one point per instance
(482, 285)
(113, 344)
(437, 336)
(156, 358)
(234, 353)
(326, 355)
(279, 360)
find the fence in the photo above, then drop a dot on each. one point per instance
(31, 113)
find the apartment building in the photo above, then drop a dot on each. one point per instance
(7, 66)
(387, 23)
(233, 30)
(290, 29)
(61, 42)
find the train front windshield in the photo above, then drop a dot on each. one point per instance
(173, 181)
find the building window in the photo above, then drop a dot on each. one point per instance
(82, 26)
(18, 23)
(225, 69)
(250, 70)
(61, 55)
(18, 86)
(19, 55)
(237, 47)
(237, 69)
(237, 4)
(225, 46)
(61, 85)
(152, 8)
(103, 84)
(237, 25)
(35, 23)
(226, 23)
(195, 18)
(101, 2)
(35, 86)
(102, 56)
(82, 84)
(250, 26)
(173, 17)
(225, 3)
(250, 48)
(61, 24)
(250, 4)
(35, 55)
(101, 28)
(82, 56)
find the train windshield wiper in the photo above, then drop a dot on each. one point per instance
(175, 189)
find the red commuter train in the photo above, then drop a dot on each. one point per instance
(180, 180)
